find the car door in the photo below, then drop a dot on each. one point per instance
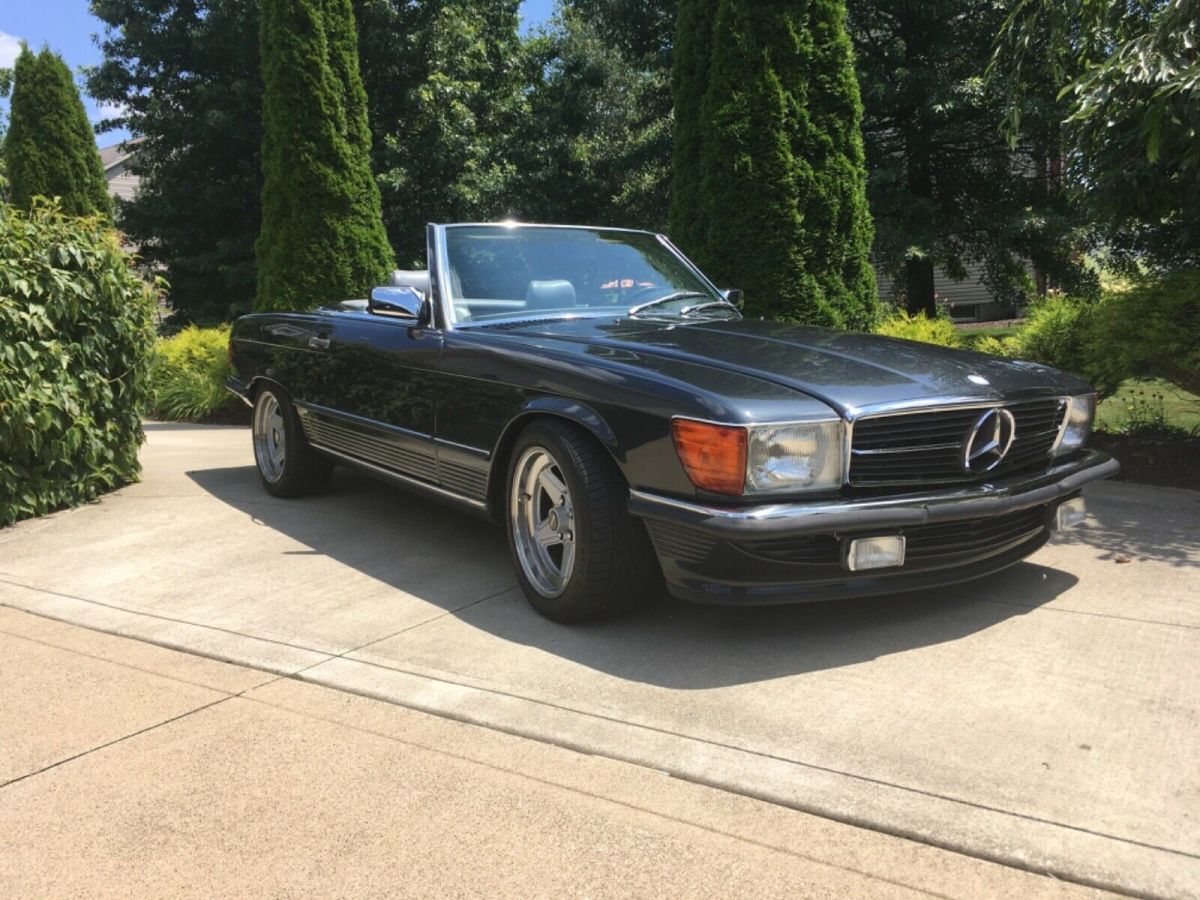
(383, 408)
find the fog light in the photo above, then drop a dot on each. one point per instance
(1070, 514)
(875, 553)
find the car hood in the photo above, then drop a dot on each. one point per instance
(850, 372)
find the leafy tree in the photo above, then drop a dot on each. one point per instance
(946, 188)
(600, 105)
(782, 163)
(1130, 79)
(446, 82)
(322, 235)
(689, 84)
(49, 148)
(185, 80)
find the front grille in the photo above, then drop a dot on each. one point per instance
(927, 546)
(926, 447)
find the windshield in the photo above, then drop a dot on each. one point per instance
(498, 272)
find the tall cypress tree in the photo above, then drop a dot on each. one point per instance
(322, 235)
(781, 163)
(689, 84)
(50, 149)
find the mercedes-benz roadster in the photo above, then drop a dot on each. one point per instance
(595, 392)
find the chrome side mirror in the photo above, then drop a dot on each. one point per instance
(397, 302)
(734, 296)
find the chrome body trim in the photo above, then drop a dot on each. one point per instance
(239, 390)
(477, 451)
(798, 517)
(360, 420)
(447, 305)
(402, 480)
(944, 404)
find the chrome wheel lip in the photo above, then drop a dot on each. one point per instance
(270, 437)
(542, 518)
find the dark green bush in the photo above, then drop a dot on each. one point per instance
(76, 332)
(190, 369)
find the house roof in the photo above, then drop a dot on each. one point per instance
(117, 153)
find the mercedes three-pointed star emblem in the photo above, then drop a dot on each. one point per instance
(988, 441)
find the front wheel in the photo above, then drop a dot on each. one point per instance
(578, 552)
(287, 465)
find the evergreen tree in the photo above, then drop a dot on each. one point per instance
(322, 236)
(782, 169)
(689, 84)
(49, 148)
(185, 80)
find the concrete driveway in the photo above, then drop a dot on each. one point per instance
(1046, 718)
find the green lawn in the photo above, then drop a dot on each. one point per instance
(1138, 398)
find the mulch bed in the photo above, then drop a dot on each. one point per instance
(1171, 462)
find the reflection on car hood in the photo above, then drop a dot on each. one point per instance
(847, 371)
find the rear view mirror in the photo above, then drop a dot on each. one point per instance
(734, 296)
(397, 302)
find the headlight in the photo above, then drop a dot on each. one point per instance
(1081, 411)
(808, 456)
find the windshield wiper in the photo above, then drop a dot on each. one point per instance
(670, 298)
(712, 304)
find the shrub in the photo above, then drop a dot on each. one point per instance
(996, 346)
(1148, 329)
(1058, 332)
(189, 375)
(919, 327)
(76, 332)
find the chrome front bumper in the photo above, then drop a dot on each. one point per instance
(789, 552)
(821, 516)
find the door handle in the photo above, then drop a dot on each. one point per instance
(318, 343)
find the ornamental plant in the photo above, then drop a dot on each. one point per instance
(76, 336)
(322, 237)
(50, 150)
(782, 179)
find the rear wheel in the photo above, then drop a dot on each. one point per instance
(287, 465)
(578, 552)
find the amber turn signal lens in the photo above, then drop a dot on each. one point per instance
(713, 455)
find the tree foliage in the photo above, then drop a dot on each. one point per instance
(689, 84)
(782, 164)
(447, 83)
(49, 148)
(184, 80)
(1130, 80)
(322, 237)
(946, 188)
(599, 120)
(76, 335)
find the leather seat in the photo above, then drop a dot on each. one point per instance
(558, 294)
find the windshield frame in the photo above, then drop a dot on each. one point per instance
(446, 305)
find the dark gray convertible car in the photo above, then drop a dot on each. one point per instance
(595, 392)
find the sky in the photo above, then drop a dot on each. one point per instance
(67, 26)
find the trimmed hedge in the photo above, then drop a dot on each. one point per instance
(76, 333)
(190, 369)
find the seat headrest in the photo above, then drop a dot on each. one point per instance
(412, 278)
(550, 294)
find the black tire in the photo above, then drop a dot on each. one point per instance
(297, 469)
(614, 567)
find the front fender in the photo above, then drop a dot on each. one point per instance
(538, 407)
